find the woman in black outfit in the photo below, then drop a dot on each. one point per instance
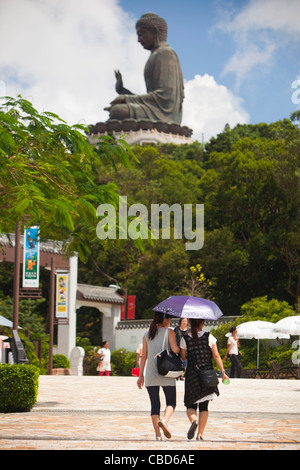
(199, 348)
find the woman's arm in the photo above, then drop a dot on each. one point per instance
(140, 380)
(183, 354)
(227, 352)
(173, 342)
(218, 360)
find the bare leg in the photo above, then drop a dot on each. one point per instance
(155, 421)
(163, 424)
(191, 414)
(168, 413)
(203, 417)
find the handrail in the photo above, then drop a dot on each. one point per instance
(18, 349)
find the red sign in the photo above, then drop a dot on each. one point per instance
(130, 314)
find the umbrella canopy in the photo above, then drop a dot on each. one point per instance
(259, 330)
(5, 322)
(290, 325)
(185, 306)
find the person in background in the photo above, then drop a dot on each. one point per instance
(179, 331)
(233, 345)
(104, 365)
(152, 345)
(138, 356)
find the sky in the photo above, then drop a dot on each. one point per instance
(240, 59)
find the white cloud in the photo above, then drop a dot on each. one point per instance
(62, 54)
(208, 107)
(259, 30)
(268, 14)
(243, 61)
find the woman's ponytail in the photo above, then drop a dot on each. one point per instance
(158, 319)
(195, 323)
(153, 327)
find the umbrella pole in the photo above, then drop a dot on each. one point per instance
(257, 354)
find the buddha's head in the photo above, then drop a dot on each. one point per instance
(151, 30)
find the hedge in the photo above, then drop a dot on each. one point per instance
(60, 361)
(18, 387)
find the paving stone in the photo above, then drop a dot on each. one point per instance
(112, 414)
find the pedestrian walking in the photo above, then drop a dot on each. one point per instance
(152, 345)
(199, 348)
(138, 355)
(232, 350)
(104, 356)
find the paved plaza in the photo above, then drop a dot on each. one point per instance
(112, 414)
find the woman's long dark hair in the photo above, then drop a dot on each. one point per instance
(158, 319)
(195, 323)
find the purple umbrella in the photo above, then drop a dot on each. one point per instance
(189, 307)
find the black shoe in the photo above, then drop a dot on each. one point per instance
(192, 430)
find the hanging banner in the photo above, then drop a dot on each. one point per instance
(61, 296)
(31, 257)
(130, 313)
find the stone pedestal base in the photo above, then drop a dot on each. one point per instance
(142, 132)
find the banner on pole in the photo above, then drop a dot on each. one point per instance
(31, 257)
(130, 311)
(61, 295)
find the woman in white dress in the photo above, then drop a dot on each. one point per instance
(104, 363)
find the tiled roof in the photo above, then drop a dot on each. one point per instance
(98, 293)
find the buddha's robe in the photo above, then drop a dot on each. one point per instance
(165, 90)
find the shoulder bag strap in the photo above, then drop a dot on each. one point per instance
(166, 341)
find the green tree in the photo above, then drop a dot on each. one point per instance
(47, 175)
(252, 193)
(196, 284)
(248, 182)
(261, 308)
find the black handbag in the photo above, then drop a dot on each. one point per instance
(208, 377)
(169, 364)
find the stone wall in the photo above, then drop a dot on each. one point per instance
(129, 333)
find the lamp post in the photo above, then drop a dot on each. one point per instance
(16, 285)
(51, 315)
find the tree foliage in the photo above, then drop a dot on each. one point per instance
(248, 180)
(246, 177)
(47, 175)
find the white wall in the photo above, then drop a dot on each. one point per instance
(129, 333)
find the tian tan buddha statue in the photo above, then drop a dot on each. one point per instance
(163, 77)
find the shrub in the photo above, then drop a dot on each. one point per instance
(90, 362)
(122, 362)
(60, 362)
(18, 387)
